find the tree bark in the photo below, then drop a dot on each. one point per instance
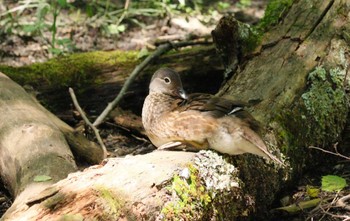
(297, 81)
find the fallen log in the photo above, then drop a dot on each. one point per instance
(161, 185)
(35, 145)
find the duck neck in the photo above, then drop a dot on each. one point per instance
(155, 105)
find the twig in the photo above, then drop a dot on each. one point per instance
(125, 12)
(77, 106)
(341, 202)
(344, 217)
(296, 208)
(336, 153)
(346, 75)
(159, 51)
(326, 211)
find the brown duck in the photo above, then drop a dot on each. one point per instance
(173, 119)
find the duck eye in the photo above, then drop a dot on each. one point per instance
(167, 80)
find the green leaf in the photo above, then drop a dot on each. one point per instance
(332, 183)
(143, 53)
(121, 28)
(62, 3)
(30, 28)
(42, 11)
(42, 178)
(312, 191)
(90, 10)
(223, 5)
(55, 51)
(64, 41)
(112, 29)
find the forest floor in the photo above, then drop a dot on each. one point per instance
(83, 33)
(20, 48)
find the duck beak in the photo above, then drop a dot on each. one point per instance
(182, 94)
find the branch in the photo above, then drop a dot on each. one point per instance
(159, 51)
(336, 153)
(77, 106)
(125, 12)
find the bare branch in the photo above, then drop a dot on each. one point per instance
(336, 153)
(77, 106)
(159, 51)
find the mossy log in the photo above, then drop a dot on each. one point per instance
(140, 188)
(96, 75)
(296, 82)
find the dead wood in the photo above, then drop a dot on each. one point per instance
(127, 120)
(35, 145)
(136, 188)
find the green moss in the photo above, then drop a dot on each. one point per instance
(206, 190)
(274, 12)
(74, 70)
(249, 37)
(317, 118)
(112, 203)
(326, 105)
(192, 197)
(240, 40)
(54, 201)
(71, 217)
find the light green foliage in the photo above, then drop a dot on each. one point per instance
(332, 183)
(244, 3)
(111, 18)
(41, 24)
(223, 5)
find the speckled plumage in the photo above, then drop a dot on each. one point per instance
(198, 121)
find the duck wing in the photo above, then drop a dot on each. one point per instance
(217, 107)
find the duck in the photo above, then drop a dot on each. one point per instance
(173, 119)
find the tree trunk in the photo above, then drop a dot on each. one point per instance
(295, 80)
(298, 77)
